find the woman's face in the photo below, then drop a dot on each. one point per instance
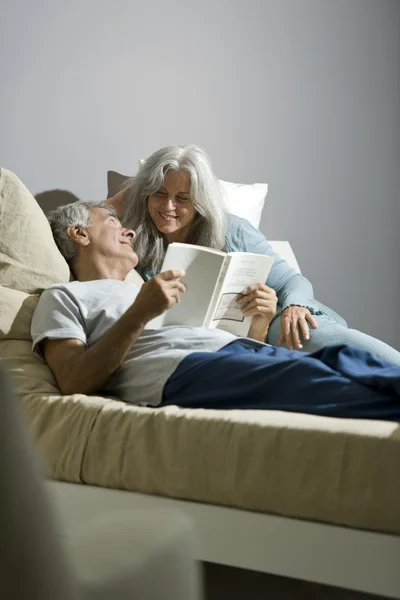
(171, 208)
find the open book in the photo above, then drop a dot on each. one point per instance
(213, 280)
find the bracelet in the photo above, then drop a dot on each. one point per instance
(313, 311)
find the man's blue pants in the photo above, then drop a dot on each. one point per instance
(337, 381)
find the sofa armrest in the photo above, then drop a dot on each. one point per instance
(285, 251)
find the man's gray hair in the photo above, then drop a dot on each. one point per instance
(210, 224)
(76, 214)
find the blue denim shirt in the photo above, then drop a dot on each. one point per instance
(290, 286)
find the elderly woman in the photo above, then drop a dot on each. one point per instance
(175, 197)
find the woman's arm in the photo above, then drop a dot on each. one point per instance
(295, 293)
(118, 202)
(290, 286)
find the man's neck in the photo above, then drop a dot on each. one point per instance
(93, 269)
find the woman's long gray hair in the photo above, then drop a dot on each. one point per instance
(209, 226)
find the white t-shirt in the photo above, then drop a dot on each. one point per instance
(86, 310)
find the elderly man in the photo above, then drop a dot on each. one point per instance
(92, 334)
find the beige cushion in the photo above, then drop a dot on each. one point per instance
(339, 471)
(29, 258)
(16, 313)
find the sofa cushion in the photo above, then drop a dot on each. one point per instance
(16, 313)
(29, 258)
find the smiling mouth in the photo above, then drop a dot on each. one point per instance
(168, 218)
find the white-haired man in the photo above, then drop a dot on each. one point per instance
(92, 334)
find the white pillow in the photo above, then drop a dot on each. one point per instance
(243, 200)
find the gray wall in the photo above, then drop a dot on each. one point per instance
(304, 94)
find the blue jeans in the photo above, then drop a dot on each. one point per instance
(331, 332)
(337, 381)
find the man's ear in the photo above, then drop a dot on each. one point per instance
(79, 235)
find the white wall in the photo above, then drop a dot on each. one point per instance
(304, 94)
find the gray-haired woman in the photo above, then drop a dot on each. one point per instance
(176, 197)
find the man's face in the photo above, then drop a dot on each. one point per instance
(109, 239)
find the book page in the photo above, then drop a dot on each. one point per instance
(244, 269)
(202, 266)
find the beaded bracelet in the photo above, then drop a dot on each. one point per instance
(314, 311)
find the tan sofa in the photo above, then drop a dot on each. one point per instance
(333, 471)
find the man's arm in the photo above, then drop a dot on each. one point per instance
(259, 332)
(259, 302)
(78, 369)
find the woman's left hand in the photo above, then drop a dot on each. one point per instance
(295, 322)
(259, 302)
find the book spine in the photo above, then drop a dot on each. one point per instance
(217, 291)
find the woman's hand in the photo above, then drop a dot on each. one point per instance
(295, 322)
(118, 202)
(259, 302)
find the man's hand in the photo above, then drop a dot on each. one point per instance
(158, 294)
(259, 302)
(295, 321)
